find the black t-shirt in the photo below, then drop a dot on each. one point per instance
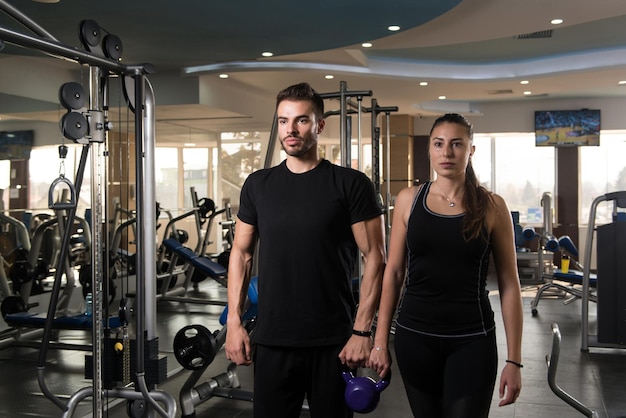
(445, 292)
(307, 252)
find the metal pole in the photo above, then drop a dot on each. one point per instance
(359, 134)
(343, 113)
(375, 149)
(139, 193)
(98, 182)
(150, 213)
(388, 176)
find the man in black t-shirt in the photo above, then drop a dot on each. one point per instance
(312, 219)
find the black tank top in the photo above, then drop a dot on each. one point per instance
(445, 292)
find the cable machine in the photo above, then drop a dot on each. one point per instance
(89, 128)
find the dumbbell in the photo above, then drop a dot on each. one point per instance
(363, 392)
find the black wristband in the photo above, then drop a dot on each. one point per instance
(520, 365)
(362, 333)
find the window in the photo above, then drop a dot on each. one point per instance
(195, 173)
(5, 175)
(481, 160)
(240, 156)
(522, 172)
(166, 177)
(45, 166)
(602, 170)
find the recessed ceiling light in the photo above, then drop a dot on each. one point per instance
(393, 28)
(367, 45)
(528, 93)
(329, 76)
(524, 82)
(442, 97)
(267, 54)
(423, 83)
(223, 75)
(556, 21)
(622, 83)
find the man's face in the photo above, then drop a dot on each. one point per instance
(298, 127)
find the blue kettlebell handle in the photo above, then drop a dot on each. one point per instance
(379, 386)
(383, 382)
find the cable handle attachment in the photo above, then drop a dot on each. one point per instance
(62, 205)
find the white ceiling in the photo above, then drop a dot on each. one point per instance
(468, 51)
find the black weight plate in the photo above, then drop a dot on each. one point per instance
(194, 347)
(74, 125)
(90, 33)
(12, 304)
(113, 47)
(72, 96)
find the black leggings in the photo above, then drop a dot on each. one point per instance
(447, 377)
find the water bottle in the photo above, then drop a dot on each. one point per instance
(89, 304)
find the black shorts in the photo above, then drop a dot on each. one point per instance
(283, 376)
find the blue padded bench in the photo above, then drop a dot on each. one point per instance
(575, 277)
(203, 264)
(68, 322)
(572, 278)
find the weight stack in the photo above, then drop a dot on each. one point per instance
(611, 284)
(155, 365)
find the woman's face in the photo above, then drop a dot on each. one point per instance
(450, 149)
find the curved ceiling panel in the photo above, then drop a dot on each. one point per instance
(604, 34)
(230, 30)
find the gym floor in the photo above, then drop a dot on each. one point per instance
(596, 378)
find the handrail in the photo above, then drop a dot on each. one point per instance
(552, 361)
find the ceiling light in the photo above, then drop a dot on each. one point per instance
(622, 83)
(556, 21)
(528, 93)
(524, 82)
(423, 83)
(223, 75)
(442, 97)
(367, 45)
(267, 54)
(393, 28)
(329, 76)
(189, 144)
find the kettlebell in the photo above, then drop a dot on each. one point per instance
(363, 392)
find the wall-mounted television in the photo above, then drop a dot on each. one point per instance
(16, 145)
(563, 128)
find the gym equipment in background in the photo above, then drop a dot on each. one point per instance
(534, 266)
(15, 268)
(102, 55)
(552, 361)
(195, 348)
(565, 282)
(611, 270)
(27, 274)
(194, 265)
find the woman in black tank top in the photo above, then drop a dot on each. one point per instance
(442, 236)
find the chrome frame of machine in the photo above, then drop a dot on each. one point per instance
(101, 65)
